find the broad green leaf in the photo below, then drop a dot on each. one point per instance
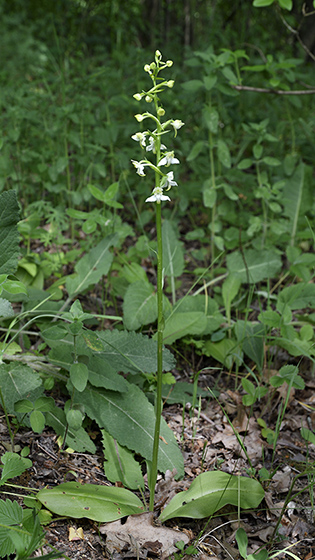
(37, 420)
(224, 154)
(76, 439)
(226, 351)
(286, 4)
(211, 118)
(6, 309)
(140, 306)
(9, 236)
(192, 85)
(129, 417)
(251, 338)
(74, 419)
(308, 435)
(230, 290)
(299, 296)
(296, 198)
(173, 255)
(259, 265)
(296, 347)
(120, 464)
(210, 81)
(196, 149)
(14, 287)
(11, 516)
(100, 503)
(91, 267)
(210, 491)
(17, 382)
(262, 3)
(79, 375)
(14, 465)
(208, 306)
(180, 324)
(132, 352)
(270, 318)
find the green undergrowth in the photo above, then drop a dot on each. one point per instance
(78, 300)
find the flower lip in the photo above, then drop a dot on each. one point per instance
(157, 196)
(168, 181)
(168, 159)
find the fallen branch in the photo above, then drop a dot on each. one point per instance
(276, 91)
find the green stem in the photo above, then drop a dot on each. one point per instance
(160, 322)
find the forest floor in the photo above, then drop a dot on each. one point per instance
(208, 442)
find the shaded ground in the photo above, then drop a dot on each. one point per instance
(208, 441)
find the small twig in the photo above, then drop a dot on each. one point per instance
(275, 91)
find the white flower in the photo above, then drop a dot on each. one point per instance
(139, 165)
(168, 159)
(177, 124)
(168, 181)
(139, 137)
(151, 146)
(157, 196)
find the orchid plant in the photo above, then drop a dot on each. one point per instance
(151, 141)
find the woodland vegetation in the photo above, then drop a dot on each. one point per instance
(157, 252)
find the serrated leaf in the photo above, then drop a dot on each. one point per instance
(140, 306)
(6, 309)
(14, 465)
(133, 352)
(299, 296)
(100, 503)
(17, 382)
(210, 491)
(92, 266)
(259, 264)
(120, 464)
(11, 515)
(129, 417)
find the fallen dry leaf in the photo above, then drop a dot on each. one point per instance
(140, 537)
(76, 534)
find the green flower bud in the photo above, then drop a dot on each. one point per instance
(148, 98)
(137, 96)
(158, 55)
(170, 83)
(160, 112)
(139, 118)
(169, 63)
(147, 68)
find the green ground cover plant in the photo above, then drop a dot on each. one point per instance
(102, 296)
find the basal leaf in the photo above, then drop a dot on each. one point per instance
(9, 237)
(92, 266)
(129, 417)
(298, 296)
(120, 464)
(100, 503)
(210, 491)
